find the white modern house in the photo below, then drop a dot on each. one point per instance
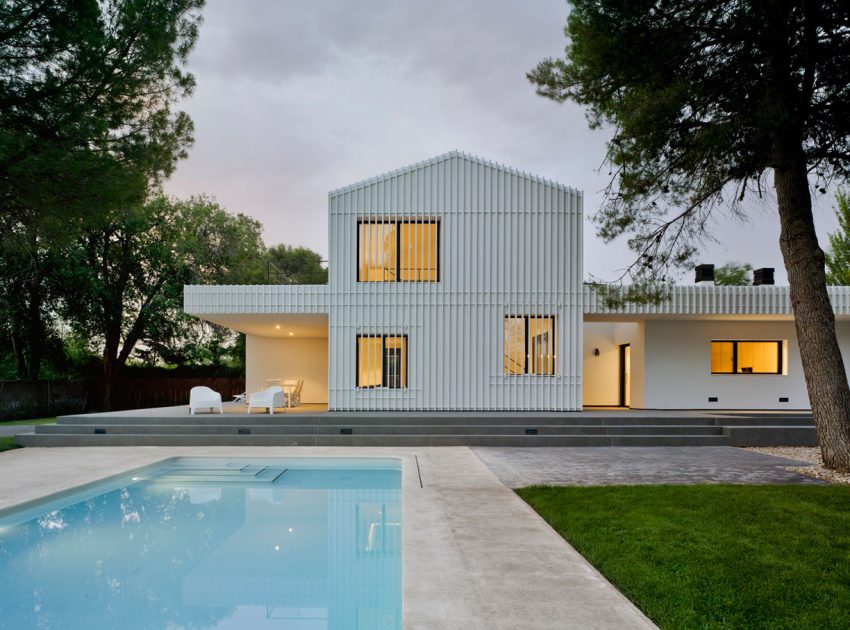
(456, 284)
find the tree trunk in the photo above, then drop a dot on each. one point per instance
(111, 368)
(823, 366)
(35, 329)
(18, 351)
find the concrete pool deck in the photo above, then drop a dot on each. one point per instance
(474, 554)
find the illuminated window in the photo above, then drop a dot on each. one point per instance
(746, 357)
(398, 251)
(529, 345)
(382, 361)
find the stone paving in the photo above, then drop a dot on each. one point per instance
(588, 466)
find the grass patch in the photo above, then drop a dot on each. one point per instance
(7, 444)
(716, 556)
(11, 423)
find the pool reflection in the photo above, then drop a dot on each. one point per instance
(307, 551)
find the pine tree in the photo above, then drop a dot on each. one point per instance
(838, 256)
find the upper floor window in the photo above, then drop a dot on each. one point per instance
(746, 357)
(529, 345)
(398, 251)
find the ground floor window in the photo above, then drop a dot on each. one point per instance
(382, 361)
(746, 357)
(529, 345)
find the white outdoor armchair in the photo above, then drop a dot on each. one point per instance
(204, 398)
(268, 398)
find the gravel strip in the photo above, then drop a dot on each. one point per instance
(809, 454)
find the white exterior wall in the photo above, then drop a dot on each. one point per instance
(510, 244)
(678, 374)
(288, 359)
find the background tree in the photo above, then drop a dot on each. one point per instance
(122, 280)
(733, 274)
(838, 256)
(87, 89)
(295, 265)
(706, 98)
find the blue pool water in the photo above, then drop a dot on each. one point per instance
(300, 544)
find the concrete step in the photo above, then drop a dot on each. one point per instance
(773, 421)
(443, 419)
(771, 436)
(398, 429)
(56, 440)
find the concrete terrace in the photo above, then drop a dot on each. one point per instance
(474, 554)
(313, 425)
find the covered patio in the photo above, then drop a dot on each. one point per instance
(282, 349)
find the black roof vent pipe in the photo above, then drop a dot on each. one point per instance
(704, 273)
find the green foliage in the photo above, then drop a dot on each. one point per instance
(733, 274)
(714, 556)
(121, 283)
(838, 258)
(7, 444)
(615, 296)
(704, 98)
(87, 125)
(295, 265)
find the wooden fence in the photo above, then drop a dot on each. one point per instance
(140, 393)
(33, 399)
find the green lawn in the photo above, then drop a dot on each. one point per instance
(714, 556)
(6, 444)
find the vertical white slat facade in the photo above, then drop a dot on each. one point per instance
(510, 244)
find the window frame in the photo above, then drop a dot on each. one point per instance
(780, 365)
(383, 337)
(526, 344)
(397, 270)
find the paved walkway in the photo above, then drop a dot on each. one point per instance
(475, 556)
(519, 467)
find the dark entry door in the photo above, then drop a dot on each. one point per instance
(626, 375)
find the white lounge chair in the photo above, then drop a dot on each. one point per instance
(268, 398)
(204, 398)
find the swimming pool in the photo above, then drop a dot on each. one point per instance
(300, 543)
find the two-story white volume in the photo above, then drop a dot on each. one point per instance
(456, 284)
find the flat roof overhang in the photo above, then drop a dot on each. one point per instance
(691, 317)
(265, 310)
(277, 325)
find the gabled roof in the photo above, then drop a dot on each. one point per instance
(448, 156)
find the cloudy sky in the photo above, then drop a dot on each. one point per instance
(296, 98)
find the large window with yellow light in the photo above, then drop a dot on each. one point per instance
(746, 356)
(529, 345)
(398, 250)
